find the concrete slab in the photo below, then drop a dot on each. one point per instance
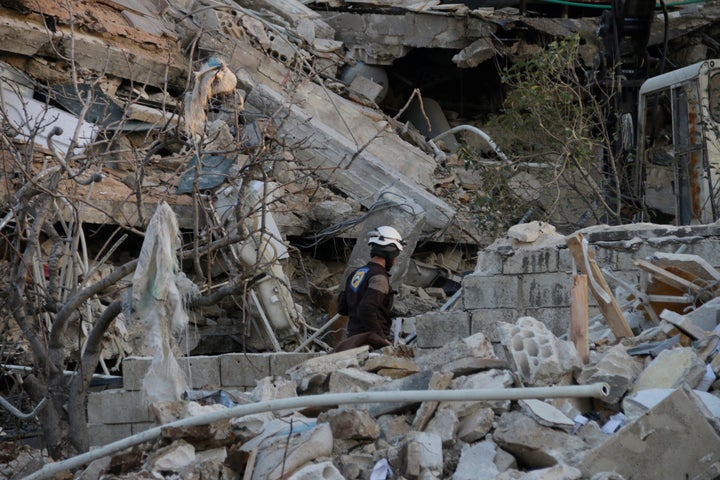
(672, 440)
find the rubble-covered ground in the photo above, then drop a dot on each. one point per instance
(656, 415)
(330, 162)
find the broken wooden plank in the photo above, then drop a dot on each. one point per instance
(599, 287)
(642, 297)
(684, 324)
(579, 317)
(676, 281)
(692, 264)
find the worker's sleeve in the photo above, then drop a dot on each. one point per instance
(371, 305)
(343, 308)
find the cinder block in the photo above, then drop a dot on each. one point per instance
(565, 260)
(625, 259)
(606, 257)
(281, 362)
(532, 261)
(116, 406)
(134, 370)
(557, 320)
(243, 369)
(100, 434)
(436, 329)
(201, 371)
(485, 321)
(489, 263)
(141, 427)
(499, 291)
(545, 290)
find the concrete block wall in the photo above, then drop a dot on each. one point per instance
(118, 413)
(511, 281)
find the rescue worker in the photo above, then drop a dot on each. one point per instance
(367, 297)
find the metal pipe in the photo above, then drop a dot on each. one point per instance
(476, 131)
(67, 373)
(317, 333)
(494, 146)
(22, 416)
(595, 390)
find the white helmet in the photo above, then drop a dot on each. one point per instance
(384, 236)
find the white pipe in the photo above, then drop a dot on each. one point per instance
(490, 142)
(479, 133)
(595, 390)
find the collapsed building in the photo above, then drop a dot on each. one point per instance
(272, 125)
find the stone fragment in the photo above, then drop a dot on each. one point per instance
(282, 455)
(317, 471)
(423, 455)
(530, 232)
(329, 212)
(201, 436)
(273, 388)
(540, 357)
(671, 369)
(208, 464)
(546, 414)
(394, 427)
(250, 426)
(616, 368)
(418, 381)
(315, 371)
(672, 440)
(474, 346)
(476, 425)
(355, 465)
(477, 462)
(438, 381)
(557, 472)
(491, 379)
(276, 427)
(350, 423)
(172, 458)
(444, 424)
(387, 363)
(534, 445)
(347, 380)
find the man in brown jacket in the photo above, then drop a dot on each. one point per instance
(367, 297)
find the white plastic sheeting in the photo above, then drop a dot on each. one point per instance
(158, 292)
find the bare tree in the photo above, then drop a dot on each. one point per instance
(552, 126)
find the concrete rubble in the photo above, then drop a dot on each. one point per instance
(505, 328)
(652, 423)
(657, 399)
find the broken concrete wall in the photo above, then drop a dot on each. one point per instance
(514, 279)
(118, 413)
(379, 39)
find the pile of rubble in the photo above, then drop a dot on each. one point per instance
(654, 414)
